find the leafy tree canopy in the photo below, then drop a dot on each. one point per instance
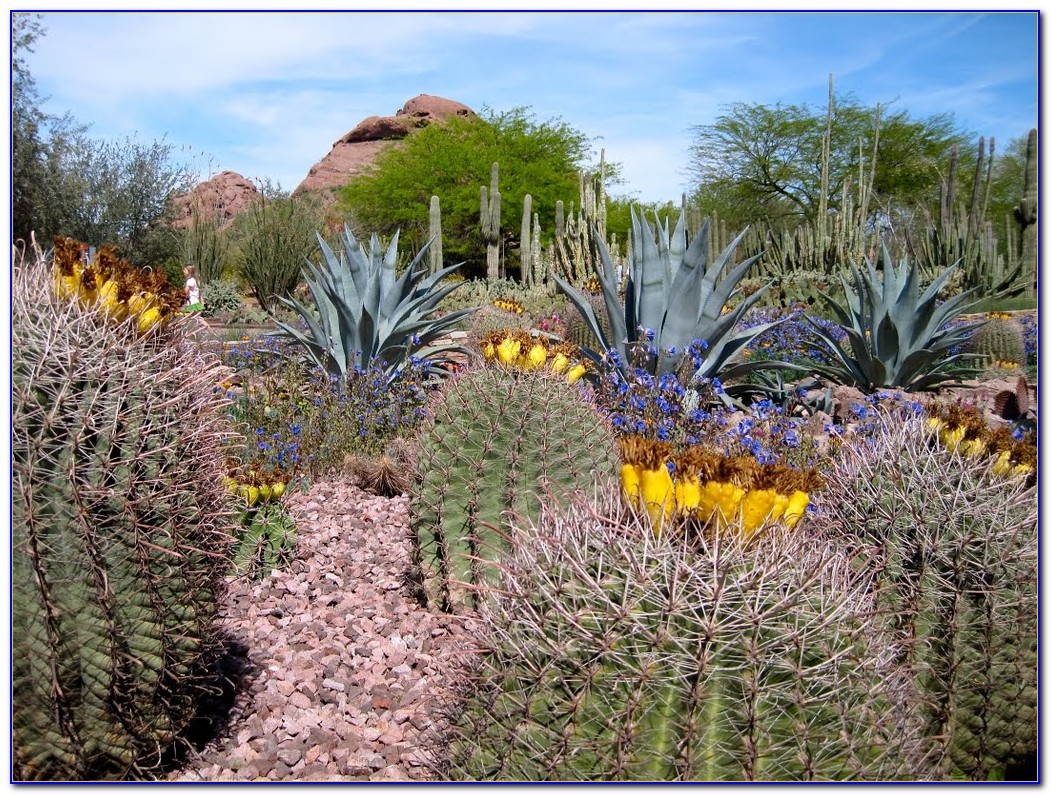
(761, 161)
(452, 160)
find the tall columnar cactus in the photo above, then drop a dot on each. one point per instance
(490, 223)
(609, 654)
(434, 223)
(499, 440)
(525, 244)
(1025, 214)
(953, 547)
(120, 522)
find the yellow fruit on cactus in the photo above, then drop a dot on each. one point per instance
(508, 351)
(559, 363)
(277, 489)
(719, 502)
(536, 357)
(951, 437)
(253, 495)
(797, 503)
(230, 483)
(575, 373)
(265, 492)
(148, 318)
(972, 447)
(757, 507)
(658, 494)
(631, 479)
(489, 350)
(935, 424)
(687, 494)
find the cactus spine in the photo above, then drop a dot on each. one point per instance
(615, 655)
(999, 339)
(120, 522)
(490, 223)
(434, 230)
(954, 568)
(498, 441)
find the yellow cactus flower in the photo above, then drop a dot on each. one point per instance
(575, 373)
(508, 351)
(536, 357)
(559, 363)
(658, 495)
(797, 503)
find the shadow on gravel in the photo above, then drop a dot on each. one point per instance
(229, 675)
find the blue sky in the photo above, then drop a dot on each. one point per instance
(267, 94)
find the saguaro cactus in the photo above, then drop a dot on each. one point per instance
(490, 223)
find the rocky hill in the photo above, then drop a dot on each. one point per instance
(228, 193)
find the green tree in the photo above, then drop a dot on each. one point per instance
(118, 192)
(35, 137)
(761, 161)
(273, 238)
(452, 160)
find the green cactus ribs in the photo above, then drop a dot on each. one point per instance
(120, 528)
(499, 440)
(613, 654)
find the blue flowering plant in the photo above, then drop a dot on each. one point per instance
(304, 421)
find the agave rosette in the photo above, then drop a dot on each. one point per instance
(366, 313)
(896, 336)
(674, 301)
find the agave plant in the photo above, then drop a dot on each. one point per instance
(674, 301)
(366, 313)
(898, 338)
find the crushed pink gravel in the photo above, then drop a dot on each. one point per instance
(350, 671)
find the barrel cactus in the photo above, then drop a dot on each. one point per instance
(578, 331)
(120, 522)
(609, 653)
(999, 340)
(953, 543)
(498, 440)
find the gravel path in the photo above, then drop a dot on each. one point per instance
(344, 669)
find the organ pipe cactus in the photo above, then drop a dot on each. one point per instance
(497, 440)
(611, 654)
(897, 337)
(953, 544)
(674, 298)
(121, 526)
(366, 313)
